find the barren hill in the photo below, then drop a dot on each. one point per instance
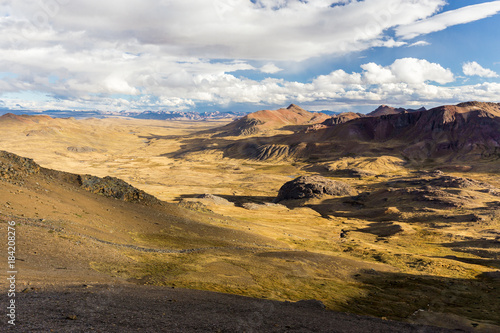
(26, 119)
(265, 120)
(382, 252)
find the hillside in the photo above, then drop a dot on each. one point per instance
(74, 226)
(402, 231)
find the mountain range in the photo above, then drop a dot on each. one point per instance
(463, 131)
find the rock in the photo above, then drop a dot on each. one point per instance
(84, 149)
(195, 206)
(313, 186)
(215, 199)
(16, 167)
(251, 206)
(392, 211)
(311, 303)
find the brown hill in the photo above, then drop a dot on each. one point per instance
(265, 120)
(26, 119)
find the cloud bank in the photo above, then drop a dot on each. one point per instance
(150, 54)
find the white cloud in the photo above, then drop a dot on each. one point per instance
(447, 19)
(266, 30)
(474, 69)
(406, 81)
(270, 68)
(411, 70)
(420, 43)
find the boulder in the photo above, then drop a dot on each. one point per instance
(313, 186)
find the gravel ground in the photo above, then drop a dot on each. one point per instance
(130, 308)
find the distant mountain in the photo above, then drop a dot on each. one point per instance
(160, 115)
(28, 119)
(58, 113)
(179, 115)
(265, 120)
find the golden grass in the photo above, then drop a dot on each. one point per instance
(279, 252)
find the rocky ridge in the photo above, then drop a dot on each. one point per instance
(16, 169)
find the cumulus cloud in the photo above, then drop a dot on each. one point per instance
(241, 29)
(474, 69)
(150, 54)
(405, 81)
(447, 19)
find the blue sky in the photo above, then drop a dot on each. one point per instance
(242, 55)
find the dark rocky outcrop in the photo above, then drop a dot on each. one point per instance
(84, 149)
(16, 167)
(115, 188)
(313, 186)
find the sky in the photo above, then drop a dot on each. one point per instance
(247, 55)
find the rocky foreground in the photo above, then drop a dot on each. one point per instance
(127, 308)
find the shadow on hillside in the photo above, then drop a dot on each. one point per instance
(492, 263)
(405, 297)
(487, 249)
(237, 200)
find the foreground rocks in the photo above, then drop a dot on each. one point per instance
(129, 308)
(305, 187)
